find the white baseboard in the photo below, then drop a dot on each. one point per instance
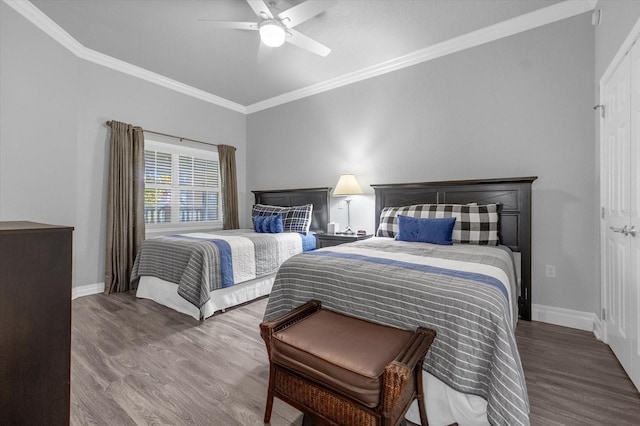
(598, 329)
(86, 290)
(567, 318)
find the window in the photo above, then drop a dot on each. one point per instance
(182, 186)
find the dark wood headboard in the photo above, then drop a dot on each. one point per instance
(319, 197)
(513, 195)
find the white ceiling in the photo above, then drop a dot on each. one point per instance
(166, 37)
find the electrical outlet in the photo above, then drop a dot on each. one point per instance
(550, 271)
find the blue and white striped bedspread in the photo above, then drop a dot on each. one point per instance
(466, 293)
(203, 262)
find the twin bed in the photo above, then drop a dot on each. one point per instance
(470, 294)
(186, 273)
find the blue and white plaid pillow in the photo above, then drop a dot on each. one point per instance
(475, 224)
(294, 219)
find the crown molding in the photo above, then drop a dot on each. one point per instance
(46, 24)
(538, 18)
(152, 77)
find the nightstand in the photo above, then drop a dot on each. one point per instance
(328, 240)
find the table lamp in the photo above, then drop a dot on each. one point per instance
(347, 185)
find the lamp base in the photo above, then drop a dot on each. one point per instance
(347, 231)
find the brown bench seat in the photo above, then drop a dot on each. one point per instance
(342, 369)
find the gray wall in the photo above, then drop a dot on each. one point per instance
(38, 124)
(54, 107)
(519, 106)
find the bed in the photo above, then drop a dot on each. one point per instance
(184, 271)
(472, 296)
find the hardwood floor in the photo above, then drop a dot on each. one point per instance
(574, 379)
(135, 362)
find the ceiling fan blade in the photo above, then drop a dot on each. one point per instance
(260, 8)
(264, 53)
(301, 40)
(304, 11)
(232, 25)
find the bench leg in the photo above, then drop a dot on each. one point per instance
(423, 411)
(420, 391)
(269, 407)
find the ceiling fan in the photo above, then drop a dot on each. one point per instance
(276, 27)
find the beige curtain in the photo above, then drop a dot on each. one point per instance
(227, 158)
(125, 205)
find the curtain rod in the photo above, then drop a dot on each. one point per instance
(180, 138)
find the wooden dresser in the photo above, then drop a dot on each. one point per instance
(35, 323)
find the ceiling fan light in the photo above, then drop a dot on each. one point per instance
(272, 34)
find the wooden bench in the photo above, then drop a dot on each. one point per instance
(344, 370)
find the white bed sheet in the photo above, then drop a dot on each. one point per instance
(446, 405)
(166, 293)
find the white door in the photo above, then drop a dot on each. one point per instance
(620, 178)
(634, 218)
(615, 167)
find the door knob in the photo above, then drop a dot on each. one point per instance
(630, 231)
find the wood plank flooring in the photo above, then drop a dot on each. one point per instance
(574, 379)
(135, 362)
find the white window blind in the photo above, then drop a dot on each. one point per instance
(198, 189)
(157, 187)
(182, 186)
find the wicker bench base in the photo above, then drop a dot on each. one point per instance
(337, 409)
(401, 382)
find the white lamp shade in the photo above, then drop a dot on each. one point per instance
(347, 185)
(272, 34)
